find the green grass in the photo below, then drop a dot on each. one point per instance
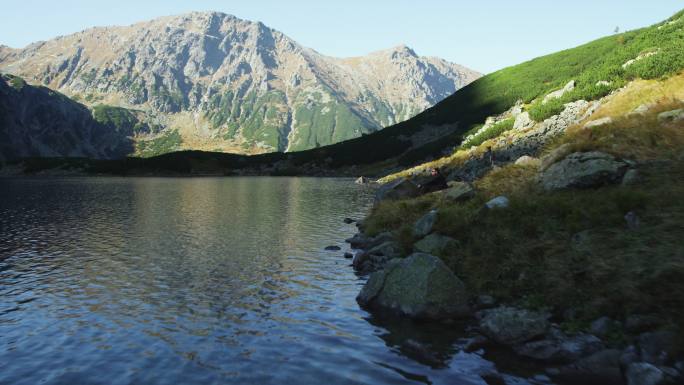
(166, 143)
(571, 249)
(493, 131)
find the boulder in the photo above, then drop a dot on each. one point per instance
(602, 367)
(559, 93)
(630, 178)
(361, 241)
(583, 170)
(523, 121)
(423, 226)
(598, 123)
(511, 326)
(641, 373)
(459, 191)
(671, 116)
(419, 286)
(658, 347)
(500, 202)
(528, 161)
(436, 244)
(375, 258)
(555, 155)
(560, 348)
(399, 189)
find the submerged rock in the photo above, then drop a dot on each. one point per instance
(419, 286)
(511, 326)
(583, 170)
(333, 248)
(361, 241)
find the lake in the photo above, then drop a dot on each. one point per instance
(199, 281)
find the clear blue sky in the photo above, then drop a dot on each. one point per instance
(485, 35)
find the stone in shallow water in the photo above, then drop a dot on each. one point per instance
(509, 326)
(333, 248)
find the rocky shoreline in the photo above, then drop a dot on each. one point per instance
(422, 288)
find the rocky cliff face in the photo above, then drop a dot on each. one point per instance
(227, 84)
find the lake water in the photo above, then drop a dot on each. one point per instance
(199, 281)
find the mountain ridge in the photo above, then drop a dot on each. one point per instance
(234, 85)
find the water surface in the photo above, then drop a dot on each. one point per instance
(198, 280)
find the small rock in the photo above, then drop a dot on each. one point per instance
(638, 323)
(362, 180)
(436, 244)
(459, 191)
(523, 121)
(348, 255)
(631, 177)
(605, 83)
(629, 356)
(642, 109)
(423, 226)
(559, 93)
(633, 221)
(399, 189)
(419, 286)
(671, 116)
(333, 248)
(500, 202)
(598, 123)
(510, 326)
(641, 373)
(528, 161)
(583, 170)
(348, 221)
(475, 343)
(484, 302)
(560, 348)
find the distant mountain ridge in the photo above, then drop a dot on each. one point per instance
(211, 81)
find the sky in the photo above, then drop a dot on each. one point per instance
(484, 35)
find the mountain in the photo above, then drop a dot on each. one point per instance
(224, 84)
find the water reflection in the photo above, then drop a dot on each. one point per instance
(212, 280)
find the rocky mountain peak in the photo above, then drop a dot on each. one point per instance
(224, 83)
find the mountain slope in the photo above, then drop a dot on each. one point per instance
(36, 121)
(233, 85)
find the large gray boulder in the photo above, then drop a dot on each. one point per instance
(583, 170)
(423, 226)
(602, 367)
(436, 244)
(559, 93)
(399, 189)
(511, 326)
(419, 286)
(361, 241)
